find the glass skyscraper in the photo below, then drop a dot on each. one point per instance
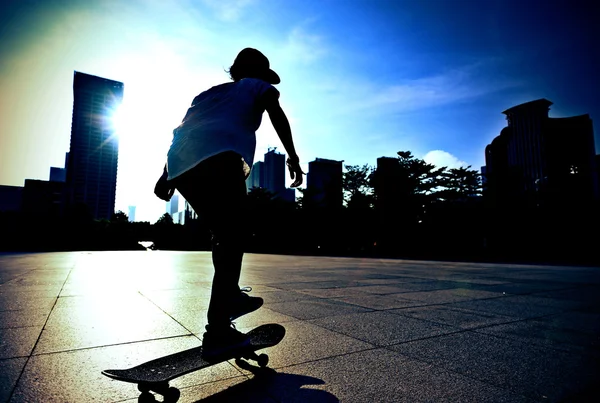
(94, 151)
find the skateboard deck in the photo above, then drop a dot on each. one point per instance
(155, 375)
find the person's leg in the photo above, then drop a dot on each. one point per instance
(216, 190)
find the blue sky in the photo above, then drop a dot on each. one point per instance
(360, 79)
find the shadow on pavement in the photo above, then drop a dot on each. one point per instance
(269, 385)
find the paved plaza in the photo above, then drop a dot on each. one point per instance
(358, 330)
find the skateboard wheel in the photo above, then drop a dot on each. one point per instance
(172, 395)
(239, 362)
(146, 397)
(143, 388)
(262, 360)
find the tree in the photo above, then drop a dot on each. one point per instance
(119, 217)
(165, 219)
(356, 184)
(459, 184)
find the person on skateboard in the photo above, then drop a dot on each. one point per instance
(208, 162)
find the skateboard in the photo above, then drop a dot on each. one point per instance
(155, 375)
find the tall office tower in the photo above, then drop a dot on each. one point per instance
(274, 175)
(257, 176)
(539, 158)
(173, 208)
(324, 183)
(131, 213)
(93, 156)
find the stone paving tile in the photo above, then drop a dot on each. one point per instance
(83, 322)
(10, 303)
(18, 342)
(517, 306)
(534, 331)
(526, 288)
(461, 318)
(381, 328)
(379, 302)
(450, 295)
(312, 309)
(10, 370)
(271, 297)
(536, 372)
(305, 342)
(76, 375)
(334, 292)
(588, 322)
(589, 295)
(302, 285)
(262, 317)
(409, 287)
(22, 318)
(382, 376)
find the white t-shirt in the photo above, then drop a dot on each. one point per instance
(223, 118)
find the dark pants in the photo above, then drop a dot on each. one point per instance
(216, 190)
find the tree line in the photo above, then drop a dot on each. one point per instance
(402, 208)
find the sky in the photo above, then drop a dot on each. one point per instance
(360, 79)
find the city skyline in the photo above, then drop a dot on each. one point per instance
(360, 80)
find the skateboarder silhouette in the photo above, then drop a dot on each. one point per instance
(208, 162)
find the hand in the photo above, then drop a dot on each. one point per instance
(163, 190)
(295, 172)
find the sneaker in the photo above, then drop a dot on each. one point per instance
(244, 304)
(220, 340)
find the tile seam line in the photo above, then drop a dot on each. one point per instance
(12, 392)
(182, 325)
(111, 345)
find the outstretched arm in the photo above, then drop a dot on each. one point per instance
(282, 127)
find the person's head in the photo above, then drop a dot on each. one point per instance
(251, 63)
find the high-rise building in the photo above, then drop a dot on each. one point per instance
(131, 215)
(324, 183)
(539, 158)
(173, 205)
(93, 157)
(274, 173)
(256, 179)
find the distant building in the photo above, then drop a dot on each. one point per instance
(539, 159)
(324, 183)
(188, 214)
(256, 179)
(92, 164)
(173, 205)
(59, 174)
(274, 173)
(131, 214)
(388, 177)
(42, 198)
(10, 198)
(270, 175)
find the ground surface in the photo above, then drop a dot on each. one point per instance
(358, 330)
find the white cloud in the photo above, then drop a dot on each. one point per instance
(450, 86)
(441, 158)
(303, 45)
(228, 10)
